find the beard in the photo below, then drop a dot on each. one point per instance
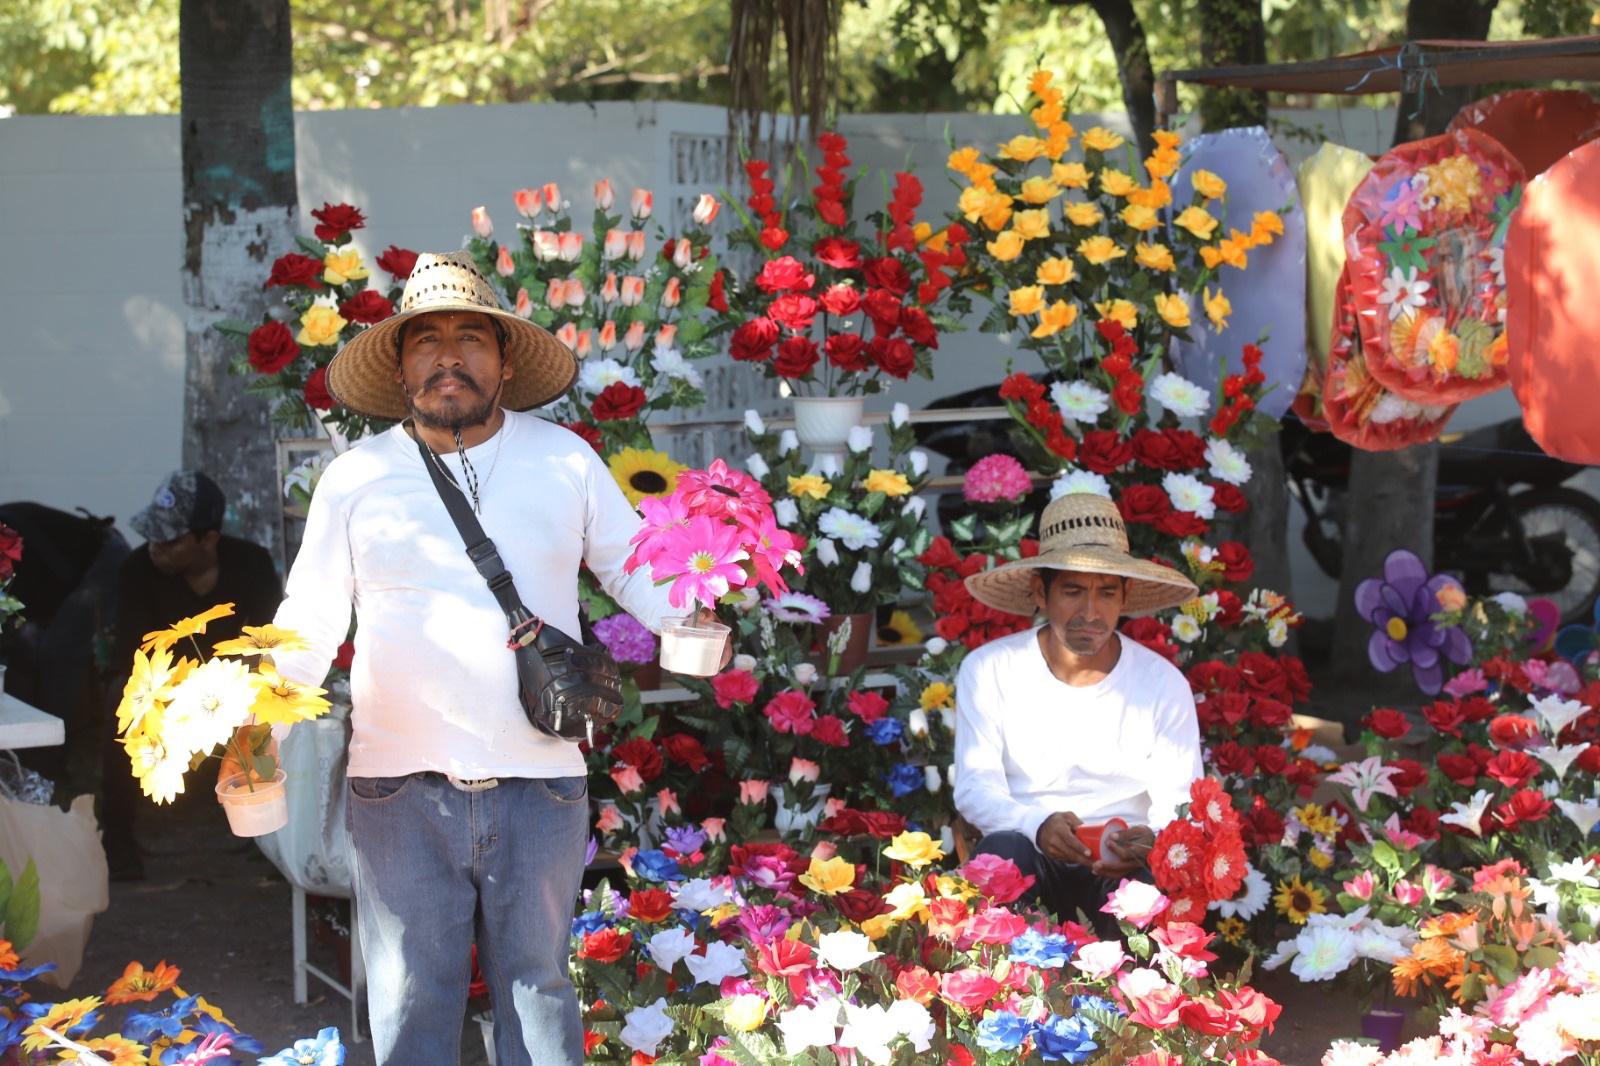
(454, 413)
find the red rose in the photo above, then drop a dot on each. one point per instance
(1231, 757)
(1181, 524)
(717, 295)
(1462, 769)
(1262, 825)
(619, 400)
(640, 754)
(1229, 498)
(685, 750)
(649, 904)
(1512, 769)
(847, 351)
(316, 390)
(1155, 449)
(1237, 565)
(1296, 678)
(605, 945)
(884, 824)
(893, 356)
(1223, 712)
(1268, 713)
(1215, 676)
(1411, 776)
(774, 237)
(1104, 451)
(883, 307)
(785, 274)
(838, 253)
(841, 300)
(888, 273)
(796, 357)
(272, 347)
(1190, 447)
(916, 324)
(1142, 504)
(345, 656)
(1230, 608)
(296, 269)
(752, 342)
(793, 312)
(1263, 675)
(1423, 821)
(781, 957)
(590, 434)
(1478, 709)
(335, 220)
(366, 307)
(830, 731)
(859, 904)
(1387, 723)
(10, 551)
(1271, 759)
(399, 262)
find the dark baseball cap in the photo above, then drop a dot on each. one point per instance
(186, 502)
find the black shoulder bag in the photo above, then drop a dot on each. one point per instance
(567, 688)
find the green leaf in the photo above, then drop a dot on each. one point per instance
(964, 528)
(1503, 961)
(22, 910)
(648, 729)
(314, 248)
(5, 887)
(264, 766)
(1384, 855)
(233, 327)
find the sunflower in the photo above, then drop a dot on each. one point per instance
(114, 1050)
(900, 629)
(262, 640)
(643, 473)
(1232, 930)
(162, 639)
(280, 701)
(1298, 901)
(149, 688)
(61, 1018)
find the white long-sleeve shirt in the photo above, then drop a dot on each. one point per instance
(1029, 745)
(433, 685)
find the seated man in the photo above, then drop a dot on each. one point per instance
(1070, 724)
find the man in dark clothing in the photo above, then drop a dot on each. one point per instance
(185, 567)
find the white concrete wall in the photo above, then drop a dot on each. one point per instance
(91, 349)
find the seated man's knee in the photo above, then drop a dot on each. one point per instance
(1010, 844)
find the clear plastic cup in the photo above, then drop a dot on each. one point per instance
(692, 648)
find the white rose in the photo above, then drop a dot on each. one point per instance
(937, 645)
(787, 512)
(915, 506)
(805, 674)
(827, 554)
(899, 415)
(860, 439)
(753, 422)
(917, 722)
(757, 466)
(931, 780)
(861, 580)
(919, 462)
(788, 441)
(744, 662)
(828, 465)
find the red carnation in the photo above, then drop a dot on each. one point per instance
(1020, 388)
(296, 269)
(336, 220)
(867, 706)
(841, 300)
(619, 400)
(752, 342)
(640, 754)
(784, 274)
(1104, 451)
(838, 253)
(399, 262)
(272, 347)
(366, 307)
(847, 351)
(796, 357)
(793, 312)
(316, 390)
(1237, 565)
(830, 731)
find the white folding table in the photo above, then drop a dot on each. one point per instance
(25, 726)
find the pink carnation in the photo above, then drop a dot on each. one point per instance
(994, 478)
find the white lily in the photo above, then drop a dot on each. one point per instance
(1560, 759)
(1469, 815)
(1582, 813)
(1366, 779)
(1558, 713)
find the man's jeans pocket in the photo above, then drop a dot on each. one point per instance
(378, 789)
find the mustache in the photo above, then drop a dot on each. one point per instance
(451, 375)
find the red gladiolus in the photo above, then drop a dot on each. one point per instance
(774, 237)
(1525, 805)
(716, 295)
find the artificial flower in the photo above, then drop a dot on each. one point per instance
(1100, 250)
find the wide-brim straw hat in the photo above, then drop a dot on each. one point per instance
(362, 374)
(1083, 532)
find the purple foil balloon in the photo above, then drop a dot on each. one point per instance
(1269, 297)
(1400, 605)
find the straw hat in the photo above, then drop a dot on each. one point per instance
(362, 374)
(1083, 531)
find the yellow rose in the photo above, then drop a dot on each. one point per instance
(1198, 222)
(1218, 308)
(811, 485)
(1139, 218)
(1027, 300)
(829, 877)
(983, 175)
(1211, 256)
(1055, 272)
(1157, 196)
(999, 213)
(1006, 246)
(1048, 113)
(320, 326)
(888, 482)
(1101, 139)
(914, 849)
(1084, 214)
(1032, 225)
(1264, 226)
(1039, 81)
(976, 201)
(1055, 318)
(339, 267)
(1162, 164)
(745, 1013)
(1167, 140)
(905, 900)
(1060, 139)
(1098, 250)
(1119, 311)
(1116, 183)
(1022, 148)
(1070, 175)
(877, 927)
(1232, 250)
(1174, 309)
(1154, 257)
(962, 160)
(1038, 190)
(929, 239)
(1209, 185)
(937, 695)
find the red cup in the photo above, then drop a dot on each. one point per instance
(1091, 835)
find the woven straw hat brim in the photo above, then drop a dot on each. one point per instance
(362, 374)
(1153, 587)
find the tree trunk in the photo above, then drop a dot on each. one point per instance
(1392, 493)
(239, 212)
(1134, 70)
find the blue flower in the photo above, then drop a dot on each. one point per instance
(1046, 951)
(323, 1049)
(28, 974)
(1098, 1004)
(903, 780)
(1003, 1031)
(144, 1028)
(1064, 1039)
(685, 840)
(243, 1043)
(653, 865)
(886, 731)
(589, 922)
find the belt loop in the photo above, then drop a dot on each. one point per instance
(477, 784)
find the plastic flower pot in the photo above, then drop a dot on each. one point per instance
(823, 423)
(692, 649)
(1091, 835)
(254, 811)
(791, 819)
(1384, 1026)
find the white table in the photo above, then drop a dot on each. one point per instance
(25, 726)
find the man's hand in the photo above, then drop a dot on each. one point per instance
(1124, 851)
(701, 616)
(1058, 839)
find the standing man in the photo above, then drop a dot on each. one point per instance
(468, 824)
(1070, 724)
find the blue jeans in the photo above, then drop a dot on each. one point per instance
(437, 868)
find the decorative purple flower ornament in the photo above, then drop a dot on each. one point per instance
(1400, 605)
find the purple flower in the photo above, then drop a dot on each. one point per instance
(626, 638)
(1401, 606)
(764, 923)
(766, 871)
(685, 840)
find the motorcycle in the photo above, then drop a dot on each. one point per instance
(1504, 519)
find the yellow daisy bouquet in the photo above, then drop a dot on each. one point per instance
(178, 711)
(1063, 244)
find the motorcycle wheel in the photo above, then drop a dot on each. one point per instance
(1575, 517)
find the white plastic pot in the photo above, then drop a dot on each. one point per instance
(823, 423)
(792, 820)
(254, 811)
(692, 649)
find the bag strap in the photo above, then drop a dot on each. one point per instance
(480, 549)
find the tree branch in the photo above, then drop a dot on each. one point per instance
(1134, 69)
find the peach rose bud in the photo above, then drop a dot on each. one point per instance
(667, 801)
(604, 196)
(682, 254)
(616, 244)
(571, 246)
(552, 196)
(585, 346)
(524, 304)
(636, 245)
(823, 850)
(803, 770)
(644, 201)
(713, 828)
(568, 335)
(610, 819)
(752, 792)
(546, 245)
(666, 335)
(528, 202)
(574, 293)
(705, 209)
(608, 336)
(672, 293)
(481, 225)
(555, 294)
(632, 291)
(609, 291)
(633, 340)
(503, 263)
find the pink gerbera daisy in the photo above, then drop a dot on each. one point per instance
(721, 492)
(703, 559)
